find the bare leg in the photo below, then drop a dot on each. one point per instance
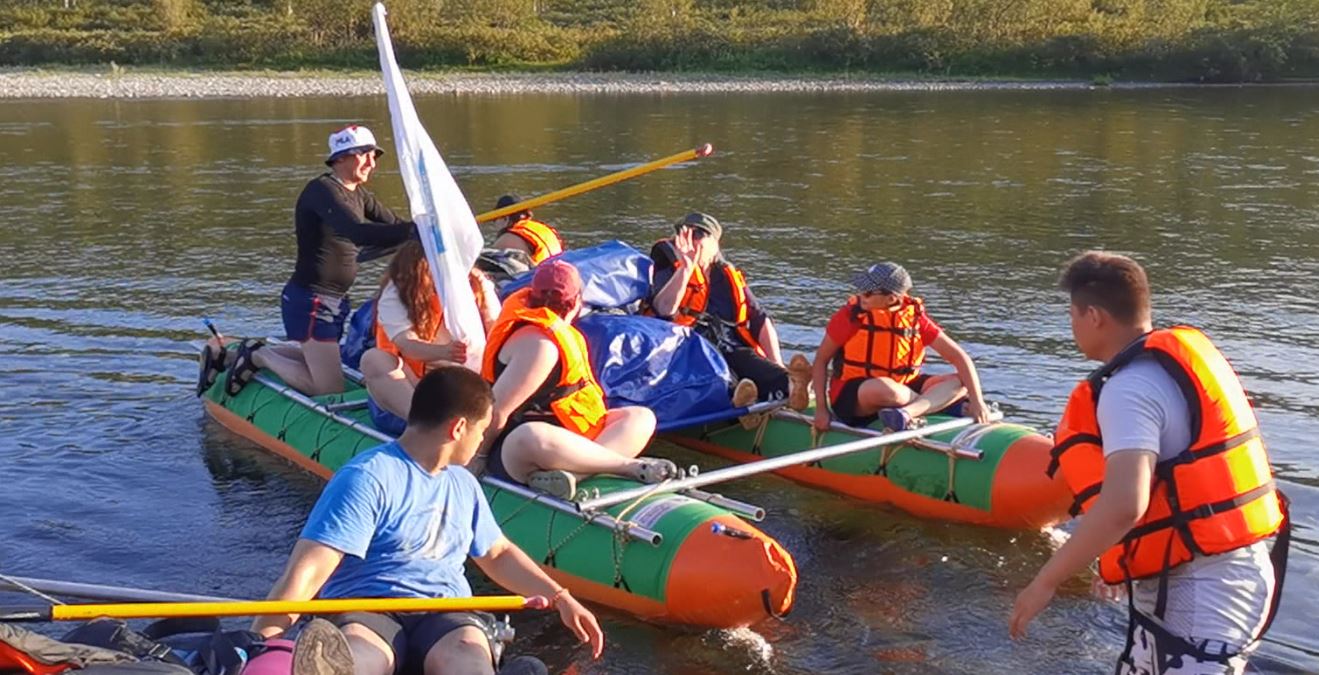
(538, 446)
(627, 430)
(371, 656)
(290, 368)
(388, 381)
(882, 392)
(939, 393)
(465, 651)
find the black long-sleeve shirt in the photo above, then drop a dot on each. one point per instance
(332, 224)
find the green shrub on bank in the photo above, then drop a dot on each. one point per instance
(1203, 40)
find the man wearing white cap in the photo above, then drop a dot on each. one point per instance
(335, 217)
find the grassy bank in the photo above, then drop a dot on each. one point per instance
(1197, 40)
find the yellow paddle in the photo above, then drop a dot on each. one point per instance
(687, 155)
(143, 610)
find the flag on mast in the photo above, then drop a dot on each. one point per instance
(448, 229)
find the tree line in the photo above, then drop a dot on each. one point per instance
(1198, 40)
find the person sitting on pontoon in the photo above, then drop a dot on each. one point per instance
(399, 521)
(695, 286)
(523, 233)
(876, 344)
(410, 334)
(335, 217)
(551, 425)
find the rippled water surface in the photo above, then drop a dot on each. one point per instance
(124, 222)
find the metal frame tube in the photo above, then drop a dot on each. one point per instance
(74, 589)
(774, 463)
(957, 446)
(720, 416)
(604, 520)
(748, 511)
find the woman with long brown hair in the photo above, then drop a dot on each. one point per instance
(410, 334)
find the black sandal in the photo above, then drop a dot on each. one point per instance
(244, 367)
(210, 365)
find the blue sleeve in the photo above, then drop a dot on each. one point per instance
(485, 530)
(346, 515)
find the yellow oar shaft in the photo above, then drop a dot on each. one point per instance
(144, 610)
(596, 183)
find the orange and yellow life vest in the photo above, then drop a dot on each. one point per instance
(888, 344)
(1216, 496)
(576, 400)
(543, 240)
(696, 298)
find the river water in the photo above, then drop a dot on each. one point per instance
(126, 221)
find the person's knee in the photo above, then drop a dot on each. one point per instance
(639, 418)
(882, 392)
(378, 363)
(465, 651)
(521, 447)
(371, 656)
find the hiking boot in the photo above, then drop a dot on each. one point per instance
(556, 483)
(895, 419)
(745, 394)
(799, 382)
(322, 649)
(655, 470)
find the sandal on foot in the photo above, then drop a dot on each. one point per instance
(244, 367)
(895, 419)
(799, 382)
(655, 470)
(557, 483)
(210, 364)
(322, 649)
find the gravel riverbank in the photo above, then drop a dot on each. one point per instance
(182, 84)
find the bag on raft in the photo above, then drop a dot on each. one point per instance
(23, 651)
(196, 646)
(640, 360)
(614, 276)
(503, 264)
(360, 335)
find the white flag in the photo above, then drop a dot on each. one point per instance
(448, 229)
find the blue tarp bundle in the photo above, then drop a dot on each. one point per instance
(360, 335)
(649, 362)
(614, 275)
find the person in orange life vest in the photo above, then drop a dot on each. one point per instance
(876, 344)
(693, 285)
(523, 233)
(551, 425)
(1161, 447)
(410, 334)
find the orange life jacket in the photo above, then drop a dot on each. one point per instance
(696, 297)
(576, 401)
(417, 366)
(1216, 496)
(543, 240)
(887, 345)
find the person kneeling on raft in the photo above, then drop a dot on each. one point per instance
(551, 425)
(410, 334)
(876, 344)
(399, 520)
(695, 286)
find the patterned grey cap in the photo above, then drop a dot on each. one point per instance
(885, 276)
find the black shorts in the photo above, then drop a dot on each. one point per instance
(412, 635)
(846, 403)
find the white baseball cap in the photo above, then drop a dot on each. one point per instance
(351, 139)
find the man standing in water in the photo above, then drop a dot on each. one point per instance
(1162, 450)
(334, 217)
(399, 521)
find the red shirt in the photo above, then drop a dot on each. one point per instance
(843, 325)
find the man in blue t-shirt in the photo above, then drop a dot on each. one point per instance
(399, 521)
